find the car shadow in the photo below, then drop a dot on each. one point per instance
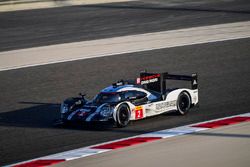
(42, 115)
(46, 115)
(39, 115)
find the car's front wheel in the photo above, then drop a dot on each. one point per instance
(122, 115)
(183, 103)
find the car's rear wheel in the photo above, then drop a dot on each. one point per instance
(122, 115)
(183, 103)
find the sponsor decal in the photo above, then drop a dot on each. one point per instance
(138, 112)
(149, 79)
(164, 105)
(81, 114)
(138, 80)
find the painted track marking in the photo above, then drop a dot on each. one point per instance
(131, 141)
(16, 5)
(119, 45)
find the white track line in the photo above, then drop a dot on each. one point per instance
(119, 45)
(15, 5)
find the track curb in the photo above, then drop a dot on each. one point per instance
(131, 141)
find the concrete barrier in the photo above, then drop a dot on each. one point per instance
(15, 5)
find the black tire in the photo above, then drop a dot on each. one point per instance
(183, 103)
(122, 115)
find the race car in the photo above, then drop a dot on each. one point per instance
(126, 101)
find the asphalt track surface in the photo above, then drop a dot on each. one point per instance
(30, 97)
(69, 24)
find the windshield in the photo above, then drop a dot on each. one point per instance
(107, 98)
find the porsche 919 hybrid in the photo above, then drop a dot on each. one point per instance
(126, 101)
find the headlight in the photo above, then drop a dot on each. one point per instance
(64, 108)
(106, 111)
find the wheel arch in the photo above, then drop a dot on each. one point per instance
(173, 95)
(117, 106)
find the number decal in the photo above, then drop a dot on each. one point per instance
(138, 112)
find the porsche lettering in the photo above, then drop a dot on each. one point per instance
(164, 105)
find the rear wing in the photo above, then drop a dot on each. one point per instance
(157, 81)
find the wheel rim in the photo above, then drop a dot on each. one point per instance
(184, 103)
(123, 116)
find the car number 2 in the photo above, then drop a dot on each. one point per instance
(138, 112)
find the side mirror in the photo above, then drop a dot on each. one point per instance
(82, 95)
